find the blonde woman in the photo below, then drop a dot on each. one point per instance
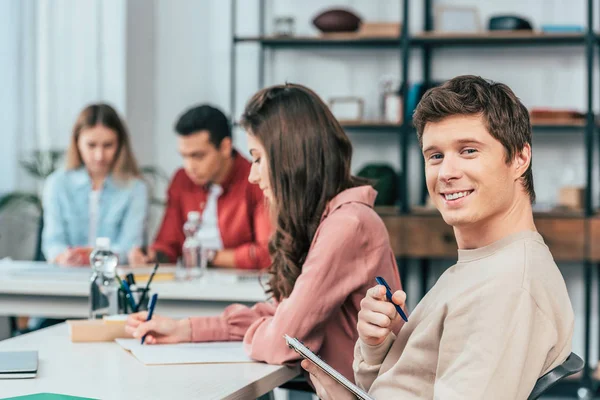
(99, 193)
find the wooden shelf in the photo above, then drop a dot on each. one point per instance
(391, 127)
(497, 38)
(424, 234)
(526, 38)
(538, 126)
(333, 40)
(387, 210)
(422, 211)
(558, 123)
(370, 125)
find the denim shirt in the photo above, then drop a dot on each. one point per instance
(121, 213)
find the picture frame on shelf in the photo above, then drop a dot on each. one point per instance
(284, 26)
(456, 19)
(347, 109)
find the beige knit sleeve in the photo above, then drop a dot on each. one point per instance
(368, 360)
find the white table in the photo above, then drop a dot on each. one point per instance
(44, 290)
(106, 371)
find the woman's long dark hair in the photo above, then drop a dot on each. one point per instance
(309, 159)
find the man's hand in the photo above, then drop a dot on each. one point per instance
(137, 257)
(377, 315)
(327, 388)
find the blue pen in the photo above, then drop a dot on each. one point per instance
(128, 294)
(151, 305)
(388, 294)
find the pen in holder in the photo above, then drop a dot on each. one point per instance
(134, 300)
(128, 302)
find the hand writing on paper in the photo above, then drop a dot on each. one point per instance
(377, 316)
(327, 388)
(159, 330)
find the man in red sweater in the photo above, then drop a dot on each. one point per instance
(213, 181)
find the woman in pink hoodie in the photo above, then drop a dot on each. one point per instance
(328, 245)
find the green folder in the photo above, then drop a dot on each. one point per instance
(48, 396)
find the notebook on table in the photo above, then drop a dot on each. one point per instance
(18, 364)
(186, 353)
(306, 353)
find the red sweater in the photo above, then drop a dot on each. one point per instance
(242, 216)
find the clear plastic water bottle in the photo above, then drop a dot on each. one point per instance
(193, 263)
(104, 287)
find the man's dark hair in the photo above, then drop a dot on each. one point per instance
(204, 118)
(505, 117)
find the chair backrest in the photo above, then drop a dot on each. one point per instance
(572, 365)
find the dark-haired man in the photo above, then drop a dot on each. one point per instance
(213, 181)
(501, 317)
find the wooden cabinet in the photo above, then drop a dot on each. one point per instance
(595, 239)
(393, 223)
(565, 237)
(428, 236)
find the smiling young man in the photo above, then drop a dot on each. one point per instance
(214, 181)
(501, 317)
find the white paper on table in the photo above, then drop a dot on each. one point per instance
(186, 353)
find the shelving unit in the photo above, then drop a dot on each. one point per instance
(504, 38)
(582, 241)
(371, 126)
(352, 41)
(422, 39)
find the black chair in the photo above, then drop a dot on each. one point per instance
(572, 365)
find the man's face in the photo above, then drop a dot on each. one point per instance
(467, 175)
(202, 161)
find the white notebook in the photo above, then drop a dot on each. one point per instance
(306, 353)
(18, 364)
(186, 353)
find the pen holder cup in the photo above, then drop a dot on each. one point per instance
(125, 306)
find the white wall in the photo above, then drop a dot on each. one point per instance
(140, 77)
(182, 70)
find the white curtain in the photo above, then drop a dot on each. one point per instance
(56, 56)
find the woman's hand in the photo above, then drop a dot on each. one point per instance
(74, 257)
(159, 330)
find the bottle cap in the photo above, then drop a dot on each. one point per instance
(103, 243)
(193, 216)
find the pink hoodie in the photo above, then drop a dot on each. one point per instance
(350, 248)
